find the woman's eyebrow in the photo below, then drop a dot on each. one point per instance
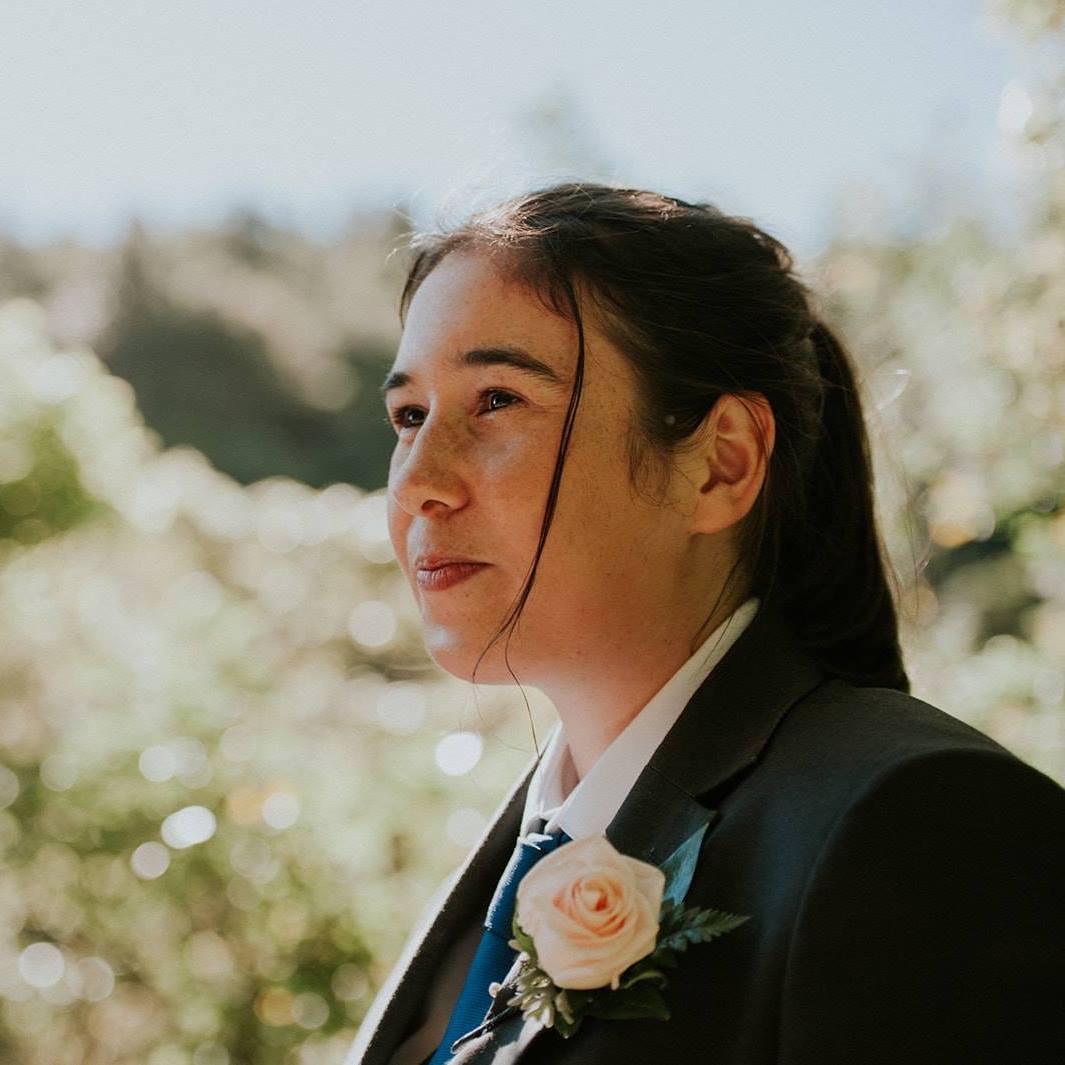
(518, 358)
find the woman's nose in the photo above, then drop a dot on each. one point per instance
(428, 475)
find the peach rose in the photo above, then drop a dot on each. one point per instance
(591, 912)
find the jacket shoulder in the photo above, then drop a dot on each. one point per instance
(946, 870)
(860, 733)
(840, 743)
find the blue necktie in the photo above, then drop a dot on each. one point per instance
(494, 957)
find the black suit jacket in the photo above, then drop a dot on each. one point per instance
(904, 876)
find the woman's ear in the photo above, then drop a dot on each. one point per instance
(730, 460)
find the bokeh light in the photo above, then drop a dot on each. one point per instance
(187, 827)
(150, 860)
(281, 810)
(41, 965)
(458, 752)
(372, 624)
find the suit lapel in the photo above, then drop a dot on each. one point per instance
(728, 722)
(719, 737)
(394, 1006)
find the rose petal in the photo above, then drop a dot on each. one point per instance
(591, 912)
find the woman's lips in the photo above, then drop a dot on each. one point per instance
(436, 580)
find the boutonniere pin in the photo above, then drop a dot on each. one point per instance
(596, 929)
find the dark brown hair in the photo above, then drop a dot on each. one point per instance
(704, 304)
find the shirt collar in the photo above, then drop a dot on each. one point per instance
(587, 807)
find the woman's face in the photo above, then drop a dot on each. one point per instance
(478, 396)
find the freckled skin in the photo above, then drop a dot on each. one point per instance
(624, 582)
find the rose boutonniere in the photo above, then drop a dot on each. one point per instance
(596, 929)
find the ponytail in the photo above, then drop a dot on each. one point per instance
(836, 592)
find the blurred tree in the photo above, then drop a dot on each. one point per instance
(360, 438)
(19, 271)
(210, 384)
(252, 344)
(252, 240)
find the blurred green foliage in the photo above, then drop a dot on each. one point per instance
(250, 343)
(229, 776)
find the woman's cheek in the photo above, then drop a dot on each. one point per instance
(521, 471)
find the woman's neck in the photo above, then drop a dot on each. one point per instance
(595, 709)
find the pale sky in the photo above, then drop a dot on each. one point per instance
(179, 110)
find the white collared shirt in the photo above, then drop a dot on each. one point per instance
(585, 808)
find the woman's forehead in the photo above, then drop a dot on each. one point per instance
(466, 288)
(465, 303)
(469, 309)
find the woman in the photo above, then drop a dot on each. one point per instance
(631, 469)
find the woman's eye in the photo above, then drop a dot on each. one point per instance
(489, 397)
(399, 417)
(490, 393)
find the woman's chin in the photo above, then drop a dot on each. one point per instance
(459, 656)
